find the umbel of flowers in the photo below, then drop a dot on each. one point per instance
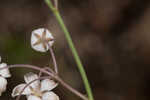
(37, 86)
(41, 39)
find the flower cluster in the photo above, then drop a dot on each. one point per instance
(33, 88)
(37, 86)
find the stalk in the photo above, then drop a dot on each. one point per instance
(73, 49)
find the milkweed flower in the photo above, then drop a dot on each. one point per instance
(38, 90)
(41, 39)
(4, 73)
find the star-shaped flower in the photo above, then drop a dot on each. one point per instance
(38, 90)
(41, 39)
(4, 73)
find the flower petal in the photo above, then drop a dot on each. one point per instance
(35, 36)
(29, 77)
(4, 72)
(3, 84)
(32, 97)
(50, 96)
(49, 36)
(19, 88)
(47, 85)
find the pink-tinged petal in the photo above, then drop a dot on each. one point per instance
(4, 72)
(19, 88)
(47, 85)
(50, 96)
(29, 77)
(32, 97)
(3, 85)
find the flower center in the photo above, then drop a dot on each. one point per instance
(37, 93)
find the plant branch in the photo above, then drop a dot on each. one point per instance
(57, 78)
(52, 74)
(71, 89)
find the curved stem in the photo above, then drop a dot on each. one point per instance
(45, 68)
(53, 75)
(73, 49)
(28, 66)
(68, 86)
(71, 89)
(57, 78)
(54, 59)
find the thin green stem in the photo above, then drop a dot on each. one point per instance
(73, 49)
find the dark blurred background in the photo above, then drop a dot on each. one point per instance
(111, 36)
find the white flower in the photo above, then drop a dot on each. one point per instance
(41, 39)
(38, 90)
(4, 73)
